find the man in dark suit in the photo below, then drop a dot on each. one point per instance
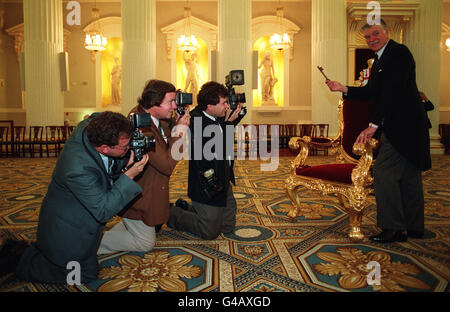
(401, 118)
(84, 193)
(213, 209)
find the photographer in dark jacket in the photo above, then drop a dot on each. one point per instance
(213, 209)
(85, 192)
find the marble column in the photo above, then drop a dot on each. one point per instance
(329, 50)
(235, 45)
(423, 38)
(139, 49)
(43, 35)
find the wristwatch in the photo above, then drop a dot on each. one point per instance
(372, 125)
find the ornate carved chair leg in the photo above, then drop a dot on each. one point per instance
(355, 224)
(341, 201)
(295, 210)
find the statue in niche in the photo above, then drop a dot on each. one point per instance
(116, 77)
(190, 61)
(268, 79)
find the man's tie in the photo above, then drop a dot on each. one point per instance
(375, 64)
(160, 129)
(112, 165)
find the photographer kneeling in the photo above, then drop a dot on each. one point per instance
(213, 209)
(86, 190)
(142, 218)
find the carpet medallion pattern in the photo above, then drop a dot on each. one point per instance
(268, 252)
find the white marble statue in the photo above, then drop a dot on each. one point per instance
(268, 79)
(192, 72)
(116, 77)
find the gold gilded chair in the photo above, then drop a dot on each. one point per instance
(350, 179)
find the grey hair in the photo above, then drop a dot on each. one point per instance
(367, 25)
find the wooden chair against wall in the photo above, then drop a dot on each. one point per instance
(65, 133)
(320, 135)
(321, 130)
(53, 139)
(33, 143)
(350, 181)
(70, 130)
(19, 139)
(4, 141)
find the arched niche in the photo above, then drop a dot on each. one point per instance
(267, 25)
(206, 32)
(111, 27)
(264, 27)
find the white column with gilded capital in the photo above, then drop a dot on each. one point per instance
(423, 38)
(139, 49)
(329, 50)
(43, 34)
(235, 44)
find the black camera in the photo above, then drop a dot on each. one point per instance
(140, 143)
(209, 184)
(235, 78)
(182, 99)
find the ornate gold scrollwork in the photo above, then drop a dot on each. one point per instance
(352, 197)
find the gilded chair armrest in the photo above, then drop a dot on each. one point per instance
(302, 143)
(361, 176)
(363, 149)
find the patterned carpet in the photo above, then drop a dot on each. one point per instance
(267, 253)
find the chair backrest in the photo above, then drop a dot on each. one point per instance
(356, 116)
(19, 133)
(70, 129)
(36, 133)
(321, 130)
(307, 129)
(53, 133)
(4, 130)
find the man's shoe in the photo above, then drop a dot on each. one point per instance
(415, 234)
(183, 204)
(10, 253)
(389, 236)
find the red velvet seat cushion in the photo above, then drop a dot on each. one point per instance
(341, 173)
(320, 140)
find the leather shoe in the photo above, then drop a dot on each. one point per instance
(415, 234)
(183, 204)
(389, 236)
(10, 253)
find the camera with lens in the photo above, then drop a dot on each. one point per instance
(140, 143)
(182, 99)
(209, 184)
(235, 78)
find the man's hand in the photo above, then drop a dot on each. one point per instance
(336, 86)
(181, 124)
(137, 168)
(229, 116)
(365, 135)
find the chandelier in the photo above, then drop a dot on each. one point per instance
(280, 40)
(94, 40)
(187, 41)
